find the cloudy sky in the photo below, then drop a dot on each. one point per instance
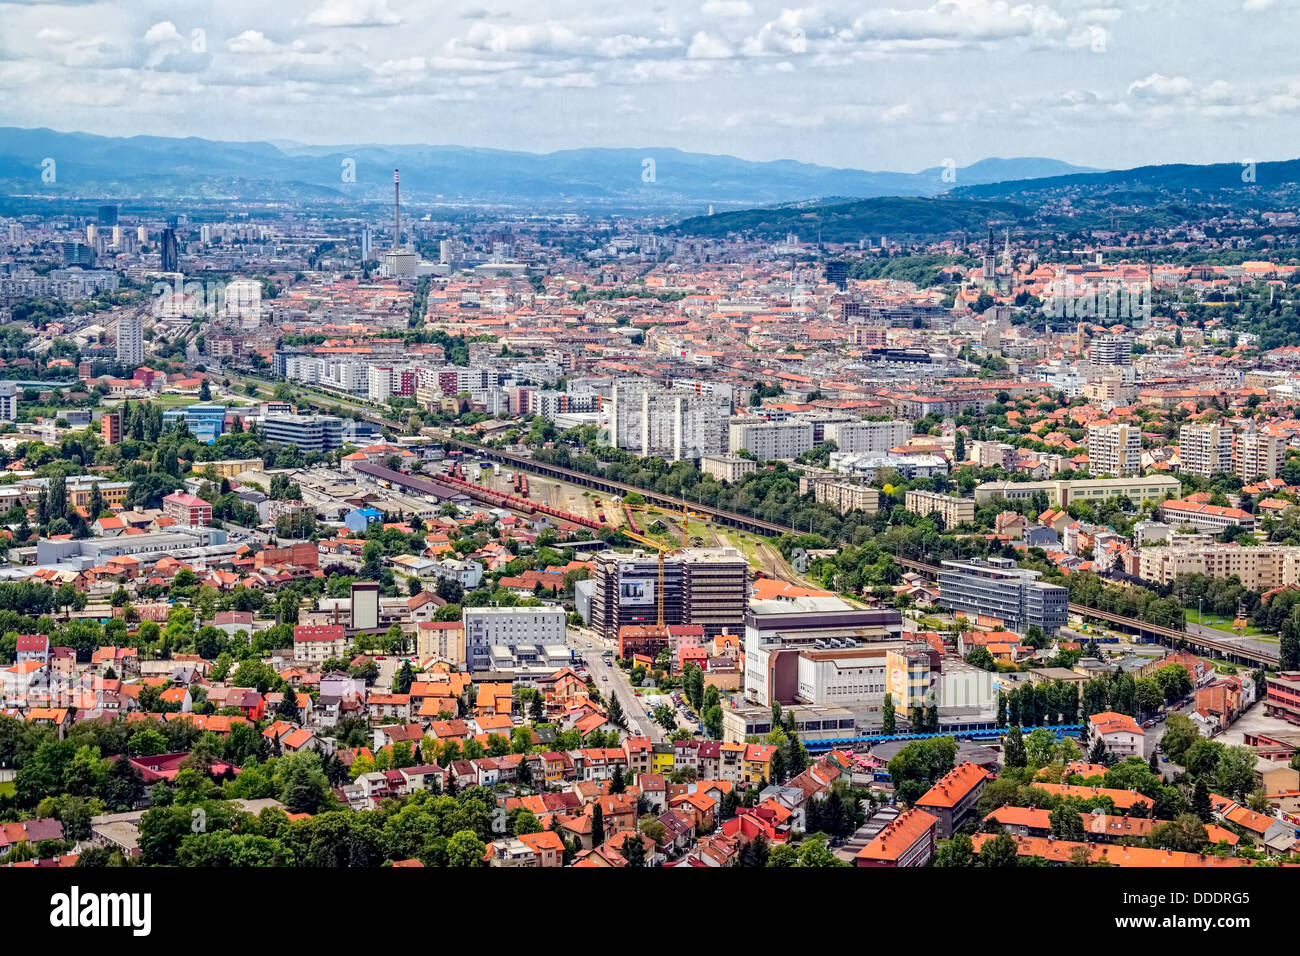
(898, 84)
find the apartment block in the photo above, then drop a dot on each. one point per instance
(1259, 568)
(952, 511)
(1062, 493)
(1114, 449)
(770, 441)
(867, 437)
(846, 496)
(728, 468)
(1205, 448)
(674, 424)
(1257, 455)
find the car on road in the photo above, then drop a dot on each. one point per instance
(1148, 723)
(589, 643)
(604, 677)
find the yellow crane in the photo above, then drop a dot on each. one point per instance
(663, 550)
(685, 516)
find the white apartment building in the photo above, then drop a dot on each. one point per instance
(1205, 448)
(1259, 568)
(1114, 449)
(130, 340)
(673, 424)
(866, 437)
(845, 496)
(728, 468)
(1257, 455)
(769, 441)
(952, 511)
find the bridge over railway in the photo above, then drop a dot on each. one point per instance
(1226, 649)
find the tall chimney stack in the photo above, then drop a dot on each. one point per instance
(397, 214)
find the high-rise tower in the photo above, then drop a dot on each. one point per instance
(397, 213)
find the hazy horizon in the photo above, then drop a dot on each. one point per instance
(898, 86)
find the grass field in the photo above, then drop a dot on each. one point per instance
(7, 789)
(1218, 623)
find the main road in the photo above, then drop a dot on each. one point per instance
(613, 682)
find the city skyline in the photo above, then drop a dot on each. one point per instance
(902, 86)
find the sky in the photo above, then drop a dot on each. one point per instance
(895, 85)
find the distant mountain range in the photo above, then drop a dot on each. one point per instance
(1159, 197)
(151, 168)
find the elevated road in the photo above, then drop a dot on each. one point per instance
(1239, 651)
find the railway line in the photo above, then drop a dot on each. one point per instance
(732, 519)
(1225, 649)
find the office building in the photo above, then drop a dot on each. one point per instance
(206, 422)
(1114, 449)
(169, 251)
(78, 254)
(845, 651)
(705, 586)
(8, 402)
(770, 441)
(130, 341)
(998, 593)
(673, 424)
(317, 433)
(1257, 454)
(1205, 448)
(108, 216)
(1060, 494)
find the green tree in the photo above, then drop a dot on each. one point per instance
(999, 851)
(1014, 753)
(465, 850)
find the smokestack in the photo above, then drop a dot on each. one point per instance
(397, 214)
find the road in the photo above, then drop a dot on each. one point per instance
(1249, 644)
(612, 682)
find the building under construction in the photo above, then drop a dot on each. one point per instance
(705, 586)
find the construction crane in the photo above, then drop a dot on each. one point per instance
(685, 516)
(663, 550)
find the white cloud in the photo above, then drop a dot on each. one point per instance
(1157, 86)
(706, 47)
(353, 13)
(250, 41)
(727, 9)
(164, 34)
